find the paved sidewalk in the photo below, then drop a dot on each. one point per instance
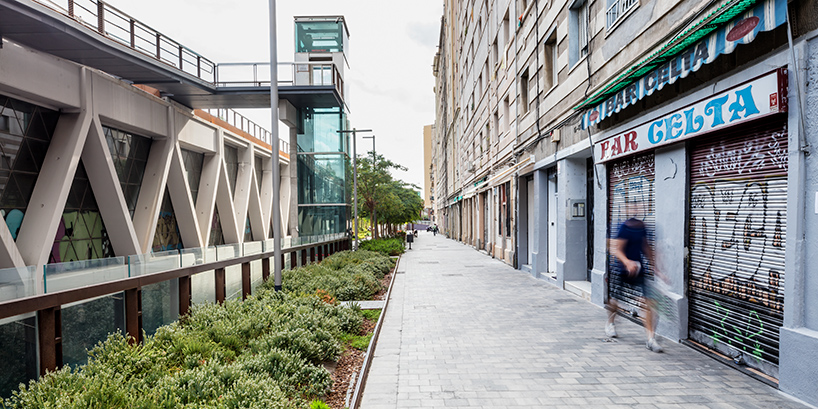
(465, 330)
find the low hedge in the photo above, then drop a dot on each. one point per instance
(389, 247)
(265, 352)
(346, 276)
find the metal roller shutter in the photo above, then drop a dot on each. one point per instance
(737, 231)
(630, 180)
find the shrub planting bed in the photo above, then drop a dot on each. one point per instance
(391, 247)
(270, 351)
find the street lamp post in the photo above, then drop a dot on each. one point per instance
(276, 214)
(374, 214)
(355, 180)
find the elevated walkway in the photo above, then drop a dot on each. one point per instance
(98, 35)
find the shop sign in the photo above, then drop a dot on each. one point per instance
(759, 97)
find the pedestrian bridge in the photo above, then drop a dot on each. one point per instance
(98, 35)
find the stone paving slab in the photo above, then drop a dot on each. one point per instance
(367, 305)
(464, 330)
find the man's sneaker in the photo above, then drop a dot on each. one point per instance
(653, 345)
(610, 330)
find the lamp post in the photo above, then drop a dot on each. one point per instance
(276, 214)
(374, 214)
(355, 180)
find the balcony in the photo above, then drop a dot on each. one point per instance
(618, 10)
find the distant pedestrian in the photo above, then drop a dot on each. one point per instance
(434, 230)
(631, 248)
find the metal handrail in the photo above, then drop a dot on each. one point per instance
(245, 124)
(120, 27)
(289, 73)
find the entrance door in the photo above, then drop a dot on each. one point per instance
(486, 221)
(531, 216)
(630, 194)
(552, 221)
(737, 231)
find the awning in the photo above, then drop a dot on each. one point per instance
(700, 44)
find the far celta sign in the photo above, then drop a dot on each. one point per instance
(759, 97)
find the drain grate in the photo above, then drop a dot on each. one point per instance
(452, 275)
(428, 262)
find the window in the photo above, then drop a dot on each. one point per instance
(506, 31)
(523, 100)
(578, 32)
(506, 113)
(617, 10)
(129, 154)
(550, 61)
(231, 160)
(505, 210)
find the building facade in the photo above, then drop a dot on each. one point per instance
(558, 120)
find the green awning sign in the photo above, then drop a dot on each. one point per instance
(678, 59)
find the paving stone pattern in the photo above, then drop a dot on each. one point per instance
(463, 330)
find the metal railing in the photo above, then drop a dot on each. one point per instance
(245, 124)
(289, 73)
(118, 26)
(68, 285)
(618, 9)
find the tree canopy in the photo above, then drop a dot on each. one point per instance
(383, 198)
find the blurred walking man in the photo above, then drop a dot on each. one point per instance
(631, 247)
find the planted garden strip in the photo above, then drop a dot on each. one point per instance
(364, 372)
(265, 352)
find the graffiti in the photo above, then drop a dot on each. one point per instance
(80, 236)
(736, 241)
(753, 156)
(739, 337)
(167, 236)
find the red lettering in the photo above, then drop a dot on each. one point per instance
(605, 146)
(630, 141)
(617, 146)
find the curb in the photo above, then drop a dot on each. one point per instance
(370, 350)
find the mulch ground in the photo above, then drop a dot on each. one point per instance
(352, 360)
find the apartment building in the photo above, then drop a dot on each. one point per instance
(558, 120)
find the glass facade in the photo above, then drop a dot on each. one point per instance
(259, 172)
(216, 234)
(322, 179)
(321, 126)
(81, 234)
(313, 220)
(248, 233)
(18, 353)
(193, 162)
(320, 36)
(25, 134)
(167, 236)
(324, 172)
(129, 153)
(87, 323)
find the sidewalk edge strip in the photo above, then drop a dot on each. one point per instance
(370, 350)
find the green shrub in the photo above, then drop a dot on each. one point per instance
(346, 276)
(265, 352)
(389, 247)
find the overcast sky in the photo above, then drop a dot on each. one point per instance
(392, 45)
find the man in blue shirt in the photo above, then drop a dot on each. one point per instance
(630, 247)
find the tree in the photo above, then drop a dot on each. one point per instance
(374, 180)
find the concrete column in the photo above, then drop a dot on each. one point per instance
(241, 193)
(671, 188)
(293, 181)
(47, 201)
(539, 254)
(599, 285)
(571, 232)
(798, 363)
(108, 193)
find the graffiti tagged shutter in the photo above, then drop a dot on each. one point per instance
(630, 194)
(738, 199)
